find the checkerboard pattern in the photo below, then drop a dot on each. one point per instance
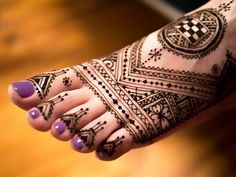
(192, 29)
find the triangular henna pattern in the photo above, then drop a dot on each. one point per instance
(148, 99)
(71, 120)
(46, 109)
(88, 135)
(108, 147)
(43, 82)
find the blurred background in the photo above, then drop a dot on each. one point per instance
(41, 35)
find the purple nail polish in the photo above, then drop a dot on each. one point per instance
(100, 153)
(34, 113)
(59, 127)
(78, 143)
(24, 89)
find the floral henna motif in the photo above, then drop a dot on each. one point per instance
(71, 120)
(154, 55)
(161, 115)
(150, 100)
(43, 81)
(46, 109)
(67, 82)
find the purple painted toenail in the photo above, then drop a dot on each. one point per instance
(24, 89)
(78, 143)
(100, 153)
(34, 113)
(59, 127)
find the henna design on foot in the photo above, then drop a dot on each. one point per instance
(43, 82)
(195, 35)
(155, 54)
(215, 69)
(225, 7)
(46, 108)
(157, 104)
(151, 100)
(67, 82)
(88, 135)
(108, 147)
(71, 120)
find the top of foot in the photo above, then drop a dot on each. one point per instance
(137, 94)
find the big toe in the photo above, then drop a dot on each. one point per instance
(31, 92)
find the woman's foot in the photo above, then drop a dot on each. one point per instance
(134, 96)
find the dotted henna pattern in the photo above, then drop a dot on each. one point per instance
(150, 100)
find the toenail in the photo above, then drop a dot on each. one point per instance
(24, 89)
(34, 113)
(101, 153)
(78, 143)
(59, 127)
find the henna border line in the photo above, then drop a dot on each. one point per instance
(97, 94)
(107, 106)
(126, 126)
(200, 86)
(137, 62)
(96, 68)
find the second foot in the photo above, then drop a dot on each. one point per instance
(136, 95)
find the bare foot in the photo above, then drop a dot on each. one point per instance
(139, 93)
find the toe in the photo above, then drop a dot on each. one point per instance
(28, 93)
(43, 115)
(66, 126)
(115, 145)
(89, 137)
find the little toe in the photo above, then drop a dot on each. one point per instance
(43, 115)
(119, 143)
(29, 93)
(89, 137)
(69, 123)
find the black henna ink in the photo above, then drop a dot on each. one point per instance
(46, 109)
(71, 120)
(88, 135)
(150, 100)
(215, 69)
(44, 81)
(67, 82)
(195, 35)
(225, 6)
(108, 147)
(154, 54)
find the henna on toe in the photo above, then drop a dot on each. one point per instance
(71, 120)
(135, 95)
(107, 148)
(88, 135)
(40, 88)
(75, 119)
(146, 91)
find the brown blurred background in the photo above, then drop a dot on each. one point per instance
(41, 35)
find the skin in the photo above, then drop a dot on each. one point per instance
(137, 95)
